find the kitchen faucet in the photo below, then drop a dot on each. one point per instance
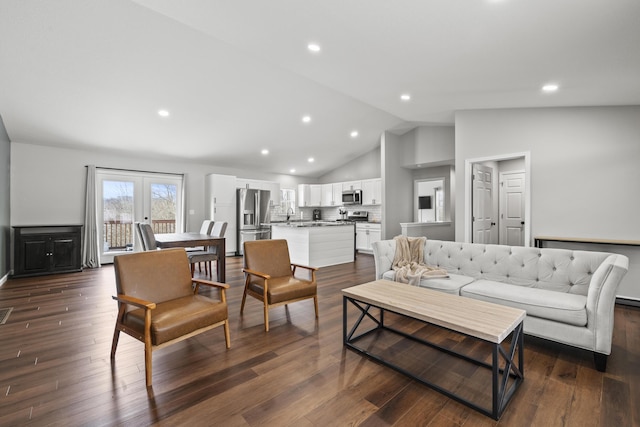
(289, 213)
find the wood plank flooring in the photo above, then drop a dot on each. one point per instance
(55, 368)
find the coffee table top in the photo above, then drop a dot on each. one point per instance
(480, 319)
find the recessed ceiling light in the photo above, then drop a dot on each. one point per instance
(311, 160)
(265, 152)
(292, 171)
(306, 119)
(313, 47)
(354, 134)
(551, 87)
(163, 113)
(405, 97)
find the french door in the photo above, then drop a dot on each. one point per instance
(127, 197)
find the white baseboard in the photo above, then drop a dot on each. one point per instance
(4, 279)
(628, 301)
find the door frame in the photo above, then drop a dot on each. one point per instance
(142, 181)
(468, 174)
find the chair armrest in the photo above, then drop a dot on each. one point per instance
(221, 286)
(211, 283)
(256, 273)
(135, 301)
(304, 266)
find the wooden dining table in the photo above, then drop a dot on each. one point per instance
(188, 240)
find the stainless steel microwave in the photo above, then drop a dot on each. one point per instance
(352, 197)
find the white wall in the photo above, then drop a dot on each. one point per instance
(47, 184)
(584, 170)
(397, 187)
(366, 166)
(433, 144)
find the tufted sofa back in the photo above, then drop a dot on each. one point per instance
(559, 270)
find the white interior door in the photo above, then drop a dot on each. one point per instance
(512, 197)
(126, 197)
(483, 216)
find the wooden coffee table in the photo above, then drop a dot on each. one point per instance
(485, 321)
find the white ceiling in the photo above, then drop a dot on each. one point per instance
(237, 77)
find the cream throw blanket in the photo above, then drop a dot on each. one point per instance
(408, 261)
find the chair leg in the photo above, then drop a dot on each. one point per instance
(266, 317)
(227, 337)
(244, 298)
(210, 269)
(315, 302)
(147, 360)
(114, 343)
(193, 269)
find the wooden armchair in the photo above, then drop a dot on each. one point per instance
(270, 276)
(158, 305)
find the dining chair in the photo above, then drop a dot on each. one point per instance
(148, 237)
(205, 228)
(158, 305)
(138, 232)
(271, 277)
(209, 253)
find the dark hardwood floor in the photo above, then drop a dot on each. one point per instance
(55, 367)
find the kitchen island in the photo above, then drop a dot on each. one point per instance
(317, 243)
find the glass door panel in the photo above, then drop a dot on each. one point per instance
(118, 213)
(164, 207)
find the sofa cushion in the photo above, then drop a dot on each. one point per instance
(450, 285)
(552, 305)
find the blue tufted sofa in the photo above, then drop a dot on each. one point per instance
(569, 296)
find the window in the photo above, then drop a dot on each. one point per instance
(288, 201)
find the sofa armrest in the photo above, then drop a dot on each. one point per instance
(601, 298)
(383, 253)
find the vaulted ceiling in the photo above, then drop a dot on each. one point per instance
(237, 77)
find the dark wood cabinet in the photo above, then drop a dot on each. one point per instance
(47, 249)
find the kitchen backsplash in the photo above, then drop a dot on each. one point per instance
(328, 214)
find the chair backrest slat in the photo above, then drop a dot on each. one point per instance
(206, 227)
(219, 228)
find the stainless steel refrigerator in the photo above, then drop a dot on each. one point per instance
(253, 212)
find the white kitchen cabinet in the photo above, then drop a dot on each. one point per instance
(366, 235)
(327, 195)
(372, 192)
(248, 183)
(316, 195)
(351, 185)
(332, 195)
(304, 195)
(220, 205)
(309, 195)
(274, 188)
(257, 184)
(337, 194)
